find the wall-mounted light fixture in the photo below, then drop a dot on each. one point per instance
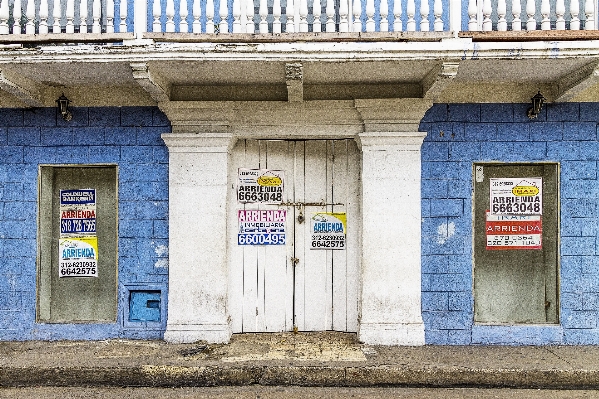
(63, 107)
(537, 105)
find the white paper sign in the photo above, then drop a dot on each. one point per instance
(263, 186)
(516, 196)
(78, 242)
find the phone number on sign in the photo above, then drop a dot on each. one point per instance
(78, 271)
(261, 239)
(328, 244)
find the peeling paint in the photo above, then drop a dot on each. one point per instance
(444, 232)
(161, 250)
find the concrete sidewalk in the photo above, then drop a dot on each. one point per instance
(304, 359)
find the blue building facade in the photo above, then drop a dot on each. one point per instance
(458, 135)
(461, 134)
(128, 137)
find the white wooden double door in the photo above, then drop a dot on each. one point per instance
(278, 287)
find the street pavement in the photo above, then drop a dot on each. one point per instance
(326, 359)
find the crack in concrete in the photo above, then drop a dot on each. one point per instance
(548, 349)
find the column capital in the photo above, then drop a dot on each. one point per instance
(392, 115)
(199, 142)
(407, 141)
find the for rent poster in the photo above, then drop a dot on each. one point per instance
(516, 196)
(78, 242)
(263, 186)
(328, 230)
(510, 232)
(261, 227)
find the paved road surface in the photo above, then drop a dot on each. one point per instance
(259, 392)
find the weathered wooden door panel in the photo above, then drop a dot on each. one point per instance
(514, 286)
(319, 290)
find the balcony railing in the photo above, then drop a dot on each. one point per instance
(41, 17)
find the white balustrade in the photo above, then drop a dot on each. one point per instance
(278, 16)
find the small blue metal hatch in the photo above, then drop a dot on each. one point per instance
(144, 306)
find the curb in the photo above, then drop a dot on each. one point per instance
(313, 376)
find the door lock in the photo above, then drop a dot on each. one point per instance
(300, 218)
(294, 260)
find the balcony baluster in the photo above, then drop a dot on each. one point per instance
(123, 16)
(384, 12)
(44, 12)
(16, 14)
(545, 11)
(316, 13)
(501, 12)
(184, 26)
(30, 15)
(574, 11)
(438, 11)
(516, 12)
(223, 13)
(589, 12)
(330, 11)
(397, 11)
(276, 13)
(560, 11)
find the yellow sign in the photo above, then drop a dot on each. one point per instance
(269, 181)
(525, 191)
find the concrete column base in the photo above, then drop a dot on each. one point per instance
(391, 334)
(211, 333)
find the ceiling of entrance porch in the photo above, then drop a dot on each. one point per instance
(144, 78)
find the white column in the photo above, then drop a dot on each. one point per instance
(197, 299)
(391, 222)
(391, 281)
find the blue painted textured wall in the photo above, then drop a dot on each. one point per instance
(460, 134)
(128, 137)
